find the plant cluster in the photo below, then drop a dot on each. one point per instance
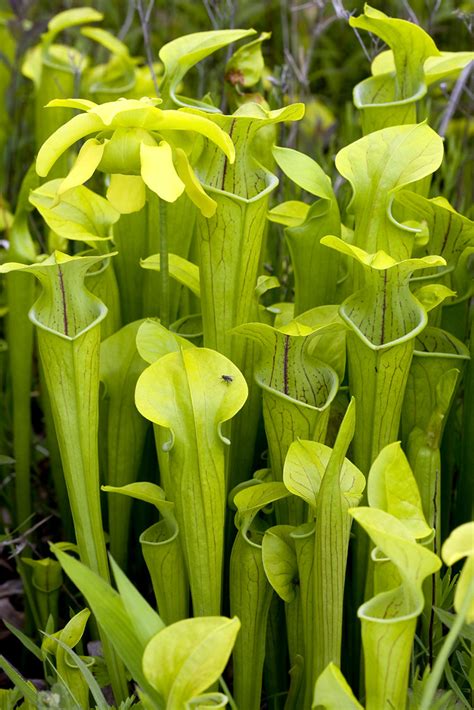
(242, 378)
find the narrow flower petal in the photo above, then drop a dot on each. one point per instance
(194, 188)
(86, 163)
(109, 111)
(64, 138)
(182, 121)
(126, 193)
(159, 173)
(80, 104)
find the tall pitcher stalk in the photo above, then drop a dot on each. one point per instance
(67, 318)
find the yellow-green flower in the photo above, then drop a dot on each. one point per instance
(139, 145)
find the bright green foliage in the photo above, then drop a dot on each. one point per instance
(162, 550)
(71, 676)
(213, 243)
(384, 318)
(458, 545)
(80, 214)
(297, 386)
(305, 229)
(332, 691)
(388, 619)
(46, 579)
(125, 616)
(124, 429)
(180, 55)
(392, 488)
(250, 591)
(379, 165)
(185, 392)
(330, 484)
(67, 317)
(401, 75)
(183, 660)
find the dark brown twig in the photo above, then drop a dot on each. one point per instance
(455, 97)
(144, 16)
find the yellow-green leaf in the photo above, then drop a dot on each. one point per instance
(392, 487)
(184, 659)
(332, 691)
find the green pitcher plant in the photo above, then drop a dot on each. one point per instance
(451, 236)
(315, 272)
(171, 670)
(393, 96)
(46, 580)
(190, 393)
(297, 386)
(153, 342)
(397, 528)
(319, 474)
(162, 550)
(399, 156)
(241, 191)
(391, 615)
(20, 298)
(183, 53)
(439, 360)
(122, 427)
(67, 671)
(250, 591)
(83, 216)
(67, 319)
(383, 320)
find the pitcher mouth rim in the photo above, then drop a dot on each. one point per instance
(271, 180)
(360, 104)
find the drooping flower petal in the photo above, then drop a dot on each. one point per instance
(62, 139)
(194, 189)
(183, 121)
(126, 193)
(158, 171)
(110, 112)
(86, 163)
(79, 104)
